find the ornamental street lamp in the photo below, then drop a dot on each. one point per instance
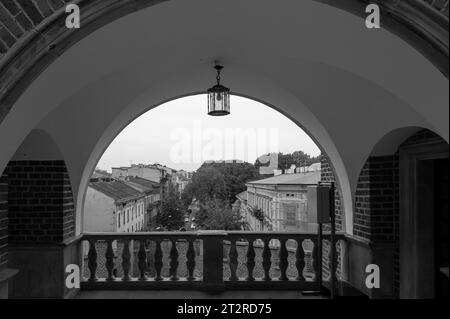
(218, 97)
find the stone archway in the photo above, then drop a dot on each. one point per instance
(334, 169)
(40, 218)
(33, 36)
(275, 81)
(384, 226)
(40, 57)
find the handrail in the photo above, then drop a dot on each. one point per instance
(200, 233)
(211, 260)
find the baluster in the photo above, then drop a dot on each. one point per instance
(126, 264)
(92, 260)
(109, 260)
(300, 260)
(173, 260)
(233, 260)
(190, 262)
(266, 263)
(158, 260)
(283, 260)
(250, 260)
(142, 256)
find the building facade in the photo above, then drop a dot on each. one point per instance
(278, 203)
(152, 191)
(114, 206)
(152, 173)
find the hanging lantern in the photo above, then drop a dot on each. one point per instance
(218, 97)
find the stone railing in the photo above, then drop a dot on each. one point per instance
(209, 260)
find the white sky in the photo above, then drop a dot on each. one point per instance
(181, 135)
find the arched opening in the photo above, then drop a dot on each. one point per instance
(345, 100)
(40, 211)
(222, 143)
(235, 142)
(406, 218)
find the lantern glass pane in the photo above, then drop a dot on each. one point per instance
(218, 103)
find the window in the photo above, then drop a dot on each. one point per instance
(290, 214)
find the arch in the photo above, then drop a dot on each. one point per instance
(358, 94)
(38, 167)
(382, 167)
(108, 137)
(38, 146)
(391, 141)
(417, 22)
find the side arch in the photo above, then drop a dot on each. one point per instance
(40, 219)
(378, 219)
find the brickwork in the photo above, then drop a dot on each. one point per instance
(376, 203)
(19, 17)
(40, 202)
(376, 216)
(327, 175)
(3, 222)
(440, 5)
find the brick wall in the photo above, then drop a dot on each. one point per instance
(3, 222)
(40, 202)
(19, 16)
(376, 216)
(376, 200)
(377, 211)
(327, 175)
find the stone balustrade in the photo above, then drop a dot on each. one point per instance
(209, 260)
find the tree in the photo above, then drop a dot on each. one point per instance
(207, 184)
(218, 215)
(298, 158)
(171, 214)
(221, 181)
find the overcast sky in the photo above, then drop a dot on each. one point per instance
(181, 135)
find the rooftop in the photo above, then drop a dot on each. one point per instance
(290, 179)
(117, 190)
(145, 184)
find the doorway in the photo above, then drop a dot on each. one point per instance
(441, 226)
(424, 227)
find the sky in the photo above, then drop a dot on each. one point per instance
(181, 135)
